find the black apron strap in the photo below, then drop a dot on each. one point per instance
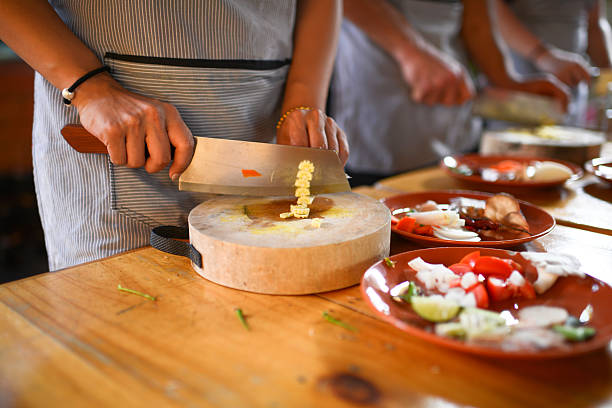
(166, 239)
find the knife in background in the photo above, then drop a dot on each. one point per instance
(517, 107)
(221, 166)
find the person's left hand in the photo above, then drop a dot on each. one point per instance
(313, 128)
(568, 67)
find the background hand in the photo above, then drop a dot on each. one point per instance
(549, 86)
(568, 67)
(313, 128)
(436, 78)
(125, 122)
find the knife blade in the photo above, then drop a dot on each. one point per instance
(517, 107)
(235, 167)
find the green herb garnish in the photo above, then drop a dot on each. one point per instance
(413, 290)
(135, 292)
(389, 262)
(337, 322)
(242, 319)
(570, 333)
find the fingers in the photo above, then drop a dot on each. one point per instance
(331, 133)
(314, 129)
(181, 138)
(114, 139)
(156, 139)
(315, 126)
(135, 141)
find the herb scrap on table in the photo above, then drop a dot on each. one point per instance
(337, 322)
(242, 318)
(135, 292)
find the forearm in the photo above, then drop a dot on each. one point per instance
(314, 49)
(480, 41)
(600, 38)
(385, 26)
(514, 33)
(34, 31)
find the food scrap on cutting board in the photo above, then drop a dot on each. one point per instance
(302, 192)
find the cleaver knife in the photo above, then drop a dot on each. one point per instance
(234, 167)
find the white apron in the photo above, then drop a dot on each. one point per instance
(222, 63)
(387, 131)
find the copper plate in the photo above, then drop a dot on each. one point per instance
(540, 222)
(476, 160)
(572, 293)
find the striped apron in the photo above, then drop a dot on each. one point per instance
(221, 63)
(563, 24)
(387, 131)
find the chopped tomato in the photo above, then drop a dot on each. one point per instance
(493, 266)
(470, 258)
(507, 166)
(480, 293)
(460, 268)
(406, 224)
(424, 230)
(250, 173)
(394, 220)
(498, 290)
(527, 290)
(515, 265)
(455, 283)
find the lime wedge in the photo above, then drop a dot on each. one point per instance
(435, 308)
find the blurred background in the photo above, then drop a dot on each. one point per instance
(22, 248)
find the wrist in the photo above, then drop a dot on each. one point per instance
(95, 87)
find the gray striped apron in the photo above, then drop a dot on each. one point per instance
(387, 131)
(563, 24)
(222, 63)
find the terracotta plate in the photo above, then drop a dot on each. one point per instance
(601, 167)
(450, 164)
(540, 222)
(572, 293)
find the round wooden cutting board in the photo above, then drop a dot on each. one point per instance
(246, 245)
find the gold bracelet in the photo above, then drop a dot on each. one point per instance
(284, 115)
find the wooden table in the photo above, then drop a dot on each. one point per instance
(71, 338)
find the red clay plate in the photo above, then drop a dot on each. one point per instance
(450, 163)
(572, 293)
(601, 167)
(540, 222)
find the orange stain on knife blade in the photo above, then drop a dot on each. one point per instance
(250, 173)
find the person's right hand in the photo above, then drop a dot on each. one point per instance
(435, 78)
(125, 122)
(569, 68)
(548, 86)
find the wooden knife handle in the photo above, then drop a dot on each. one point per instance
(82, 141)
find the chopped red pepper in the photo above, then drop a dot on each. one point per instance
(250, 173)
(424, 230)
(406, 224)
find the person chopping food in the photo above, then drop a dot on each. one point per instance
(566, 39)
(148, 74)
(402, 89)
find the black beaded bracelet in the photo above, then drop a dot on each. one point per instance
(68, 93)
